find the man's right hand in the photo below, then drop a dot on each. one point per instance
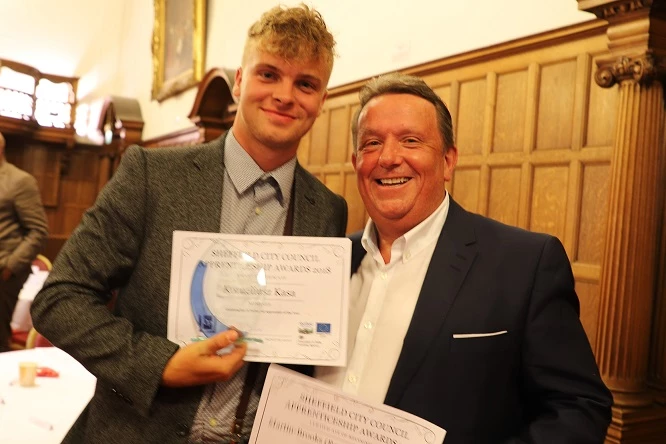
(198, 363)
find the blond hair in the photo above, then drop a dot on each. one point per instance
(297, 33)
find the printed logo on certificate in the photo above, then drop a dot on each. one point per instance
(287, 294)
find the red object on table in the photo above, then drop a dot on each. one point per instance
(47, 372)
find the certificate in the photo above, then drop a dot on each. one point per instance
(288, 295)
(297, 409)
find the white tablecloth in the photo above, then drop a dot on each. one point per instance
(42, 414)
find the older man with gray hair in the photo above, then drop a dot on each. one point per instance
(461, 320)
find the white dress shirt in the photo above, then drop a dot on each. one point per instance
(382, 301)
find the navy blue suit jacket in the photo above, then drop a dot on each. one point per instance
(537, 383)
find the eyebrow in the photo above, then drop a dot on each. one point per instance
(309, 77)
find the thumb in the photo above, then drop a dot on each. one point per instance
(221, 340)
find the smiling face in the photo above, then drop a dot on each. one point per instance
(400, 162)
(279, 101)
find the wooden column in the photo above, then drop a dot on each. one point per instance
(657, 371)
(628, 268)
(625, 335)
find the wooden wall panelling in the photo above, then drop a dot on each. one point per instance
(337, 143)
(510, 114)
(555, 115)
(504, 186)
(465, 186)
(303, 153)
(533, 141)
(319, 141)
(79, 189)
(594, 201)
(67, 179)
(588, 294)
(487, 139)
(471, 116)
(602, 114)
(357, 214)
(549, 198)
(581, 97)
(326, 152)
(42, 160)
(529, 142)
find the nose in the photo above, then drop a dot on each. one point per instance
(390, 154)
(284, 92)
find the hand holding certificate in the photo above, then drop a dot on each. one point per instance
(297, 409)
(287, 295)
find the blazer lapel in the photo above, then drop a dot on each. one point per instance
(451, 260)
(203, 202)
(307, 205)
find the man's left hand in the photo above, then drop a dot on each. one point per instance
(6, 274)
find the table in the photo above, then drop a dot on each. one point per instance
(44, 413)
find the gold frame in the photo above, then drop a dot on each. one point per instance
(191, 71)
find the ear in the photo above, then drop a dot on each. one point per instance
(450, 162)
(321, 104)
(354, 161)
(237, 82)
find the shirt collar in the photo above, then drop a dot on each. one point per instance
(414, 240)
(244, 171)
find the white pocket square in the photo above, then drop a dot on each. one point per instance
(478, 335)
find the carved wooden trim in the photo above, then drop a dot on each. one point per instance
(214, 96)
(624, 7)
(608, 11)
(611, 9)
(125, 117)
(643, 69)
(637, 426)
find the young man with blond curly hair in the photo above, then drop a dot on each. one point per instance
(149, 389)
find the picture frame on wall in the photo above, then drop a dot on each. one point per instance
(179, 46)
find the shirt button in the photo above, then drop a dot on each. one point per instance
(182, 430)
(213, 422)
(407, 256)
(384, 275)
(257, 211)
(352, 379)
(368, 325)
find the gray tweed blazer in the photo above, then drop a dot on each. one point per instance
(124, 242)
